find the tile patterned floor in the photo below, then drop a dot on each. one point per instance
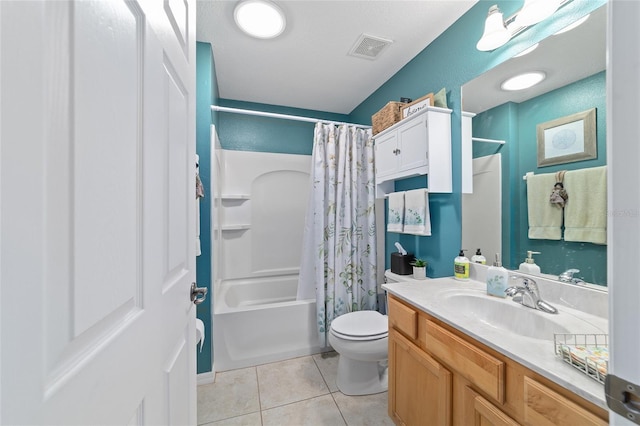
(299, 391)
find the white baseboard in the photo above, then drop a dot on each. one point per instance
(206, 378)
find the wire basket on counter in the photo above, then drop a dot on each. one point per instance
(588, 353)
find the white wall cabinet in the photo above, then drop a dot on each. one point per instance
(419, 145)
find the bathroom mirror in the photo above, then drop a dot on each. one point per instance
(575, 64)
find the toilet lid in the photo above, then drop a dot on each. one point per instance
(361, 325)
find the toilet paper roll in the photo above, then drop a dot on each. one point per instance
(199, 333)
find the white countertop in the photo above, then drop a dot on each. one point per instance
(538, 355)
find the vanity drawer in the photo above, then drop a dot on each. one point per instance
(483, 370)
(403, 318)
(543, 406)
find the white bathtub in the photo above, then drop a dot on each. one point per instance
(256, 321)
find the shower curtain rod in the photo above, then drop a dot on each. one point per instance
(283, 116)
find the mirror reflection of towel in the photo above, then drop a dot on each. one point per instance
(545, 220)
(585, 215)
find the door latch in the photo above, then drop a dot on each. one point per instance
(198, 294)
(623, 397)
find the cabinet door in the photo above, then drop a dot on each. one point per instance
(543, 406)
(412, 143)
(419, 386)
(478, 411)
(386, 157)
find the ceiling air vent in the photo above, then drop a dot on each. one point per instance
(369, 47)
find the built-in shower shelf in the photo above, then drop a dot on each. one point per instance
(235, 196)
(420, 234)
(241, 227)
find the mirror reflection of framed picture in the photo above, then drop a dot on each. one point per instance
(567, 139)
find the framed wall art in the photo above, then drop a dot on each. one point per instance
(567, 139)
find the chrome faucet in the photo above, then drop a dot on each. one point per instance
(528, 295)
(567, 277)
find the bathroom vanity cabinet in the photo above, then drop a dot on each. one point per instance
(440, 376)
(418, 145)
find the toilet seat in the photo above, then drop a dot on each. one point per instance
(360, 325)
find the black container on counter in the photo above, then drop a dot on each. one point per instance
(401, 264)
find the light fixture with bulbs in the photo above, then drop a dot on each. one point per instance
(498, 31)
(535, 11)
(495, 33)
(259, 18)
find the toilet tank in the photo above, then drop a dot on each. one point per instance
(390, 277)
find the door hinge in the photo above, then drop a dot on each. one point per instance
(623, 397)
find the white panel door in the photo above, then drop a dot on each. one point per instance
(97, 203)
(623, 156)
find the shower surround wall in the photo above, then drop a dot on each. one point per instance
(259, 208)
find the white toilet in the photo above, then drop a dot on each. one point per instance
(361, 339)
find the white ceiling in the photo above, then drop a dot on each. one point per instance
(308, 66)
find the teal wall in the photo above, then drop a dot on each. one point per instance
(521, 151)
(264, 134)
(450, 61)
(206, 94)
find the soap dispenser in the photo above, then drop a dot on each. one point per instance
(461, 267)
(479, 258)
(529, 265)
(497, 278)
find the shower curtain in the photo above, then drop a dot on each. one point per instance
(338, 263)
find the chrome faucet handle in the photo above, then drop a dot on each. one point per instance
(567, 276)
(512, 291)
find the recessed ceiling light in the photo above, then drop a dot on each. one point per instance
(572, 26)
(527, 51)
(259, 18)
(523, 81)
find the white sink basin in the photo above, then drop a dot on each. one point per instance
(512, 317)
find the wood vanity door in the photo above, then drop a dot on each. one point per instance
(478, 411)
(420, 388)
(543, 406)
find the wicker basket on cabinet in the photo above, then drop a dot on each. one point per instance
(386, 117)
